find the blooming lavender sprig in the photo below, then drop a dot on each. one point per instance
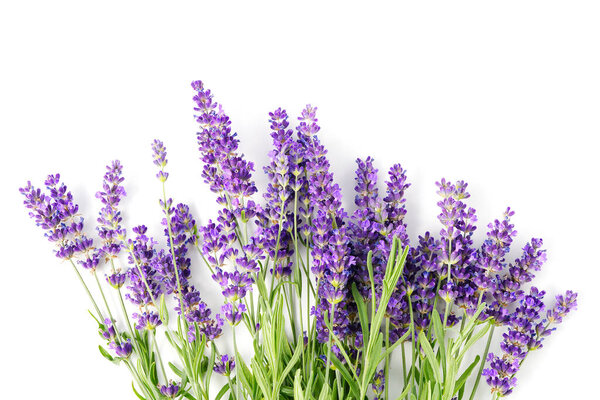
(224, 169)
(275, 222)
(527, 330)
(172, 267)
(331, 252)
(109, 226)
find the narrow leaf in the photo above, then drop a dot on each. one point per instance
(435, 366)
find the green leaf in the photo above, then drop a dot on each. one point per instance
(211, 363)
(352, 381)
(163, 312)
(324, 392)
(262, 288)
(362, 313)
(450, 379)
(439, 336)
(298, 393)
(398, 342)
(436, 392)
(474, 339)
(404, 392)
(468, 327)
(177, 371)
(199, 357)
(465, 375)
(105, 354)
(261, 379)
(139, 396)
(435, 366)
(223, 390)
(291, 363)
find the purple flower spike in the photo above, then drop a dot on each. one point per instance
(56, 213)
(159, 153)
(564, 305)
(227, 172)
(109, 221)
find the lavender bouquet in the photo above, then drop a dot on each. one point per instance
(327, 296)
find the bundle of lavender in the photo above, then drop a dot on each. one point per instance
(327, 296)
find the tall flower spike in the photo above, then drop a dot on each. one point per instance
(57, 214)
(109, 220)
(227, 172)
(159, 153)
(331, 251)
(275, 222)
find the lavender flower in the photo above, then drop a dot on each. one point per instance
(147, 320)
(233, 313)
(527, 330)
(123, 349)
(171, 390)
(56, 213)
(224, 170)
(331, 253)
(159, 153)
(109, 221)
(224, 365)
(378, 384)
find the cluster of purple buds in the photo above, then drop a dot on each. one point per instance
(171, 390)
(332, 261)
(457, 256)
(227, 173)
(144, 284)
(147, 320)
(56, 213)
(374, 224)
(275, 222)
(122, 348)
(526, 330)
(224, 365)
(218, 248)
(173, 266)
(490, 260)
(109, 227)
(109, 221)
(508, 288)
(159, 153)
(378, 384)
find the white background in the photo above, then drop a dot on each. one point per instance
(502, 94)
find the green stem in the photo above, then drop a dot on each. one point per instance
(237, 355)
(482, 362)
(414, 350)
(172, 247)
(387, 358)
(331, 317)
(87, 290)
(160, 362)
(124, 310)
(103, 297)
(137, 379)
(403, 364)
